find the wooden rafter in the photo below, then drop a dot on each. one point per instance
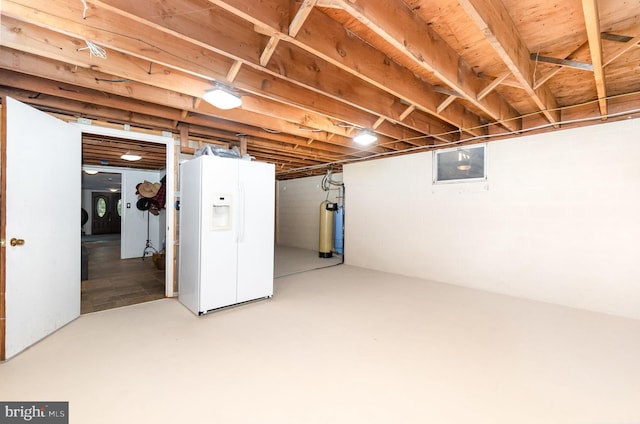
(296, 74)
(162, 78)
(407, 112)
(233, 71)
(303, 13)
(309, 71)
(492, 85)
(494, 21)
(446, 102)
(431, 53)
(620, 51)
(556, 69)
(592, 23)
(268, 51)
(390, 77)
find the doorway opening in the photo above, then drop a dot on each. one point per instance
(118, 270)
(113, 282)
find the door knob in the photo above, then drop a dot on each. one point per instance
(16, 242)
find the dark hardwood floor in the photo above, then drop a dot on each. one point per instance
(114, 282)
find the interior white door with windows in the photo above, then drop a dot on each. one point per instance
(41, 232)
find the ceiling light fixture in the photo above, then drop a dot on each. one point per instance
(365, 137)
(132, 157)
(222, 98)
(90, 171)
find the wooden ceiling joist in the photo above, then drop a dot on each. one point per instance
(592, 22)
(433, 73)
(496, 24)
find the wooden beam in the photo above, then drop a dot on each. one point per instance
(95, 80)
(403, 29)
(203, 125)
(243, 145)
(447, 91)
(186, 30)
(41, 86)
(240, 144)
(592, 22)
(380, 71)
(126, 14)
(131, 11)
(442, 106)
(269, 50)
(378, 122)
(538, 82)
(303, 13)
(407, 112)
(269, 13)
(233, 71)
(493, 19)
(121, 68)
(65, 17)
(493, 84)
(184, 135)
(31, 65)
(615, 54)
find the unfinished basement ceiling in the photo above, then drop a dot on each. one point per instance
(421, 73)
(100, 150)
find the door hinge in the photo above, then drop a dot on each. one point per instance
(3, 243)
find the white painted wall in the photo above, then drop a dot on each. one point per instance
(557, 221)
(298, 210)
(134, 221)
(87, 195)
(131, 233)
(86, 205)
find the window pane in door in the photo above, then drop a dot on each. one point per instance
(101, 207)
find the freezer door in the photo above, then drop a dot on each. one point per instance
(219, 232)
(256, 204)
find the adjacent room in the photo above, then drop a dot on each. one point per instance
(319, 211)
(122, 242)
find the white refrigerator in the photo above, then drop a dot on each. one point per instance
(226, 248)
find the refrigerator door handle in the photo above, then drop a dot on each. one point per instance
(241, 212)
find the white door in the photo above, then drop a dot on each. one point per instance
(41, 228)
(256, 230)
(219, 231)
